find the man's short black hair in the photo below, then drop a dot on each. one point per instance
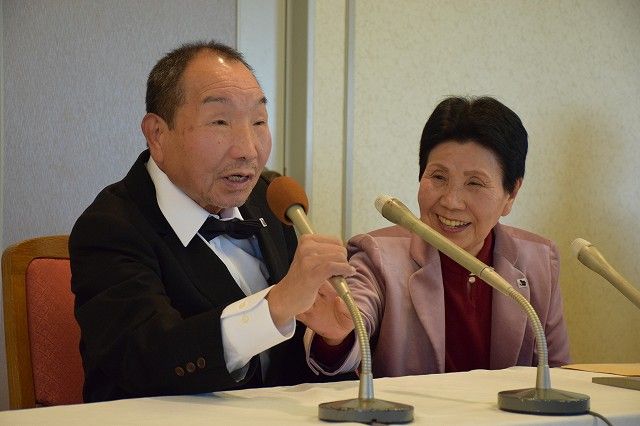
(164, 86)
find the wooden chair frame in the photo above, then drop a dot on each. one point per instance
(15, 260)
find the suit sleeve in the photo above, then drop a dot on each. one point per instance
(134, 340)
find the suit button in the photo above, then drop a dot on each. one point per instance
(179, 371)
(200, 362)
(191, 367)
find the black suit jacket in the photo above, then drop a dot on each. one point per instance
(149, 308)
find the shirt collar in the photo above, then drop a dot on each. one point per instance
(184, 215)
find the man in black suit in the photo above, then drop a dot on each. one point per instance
(164, 306)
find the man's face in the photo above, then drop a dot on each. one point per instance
(220, 139)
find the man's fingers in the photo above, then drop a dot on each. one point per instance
(318, 238)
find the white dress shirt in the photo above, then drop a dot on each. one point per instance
(247, 327)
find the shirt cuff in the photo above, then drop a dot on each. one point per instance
(248, 329)
(350, 363)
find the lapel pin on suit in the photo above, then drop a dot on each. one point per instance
(522, 282)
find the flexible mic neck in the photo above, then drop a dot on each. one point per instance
(289, 203)
(540, 400)
(395, 211)
(287, 200)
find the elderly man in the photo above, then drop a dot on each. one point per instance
(184, 280)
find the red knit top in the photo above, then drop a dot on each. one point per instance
(467, 307)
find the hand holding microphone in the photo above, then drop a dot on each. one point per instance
(289, 203)
(316, 260)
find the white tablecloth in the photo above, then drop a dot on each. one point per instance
(457, 398)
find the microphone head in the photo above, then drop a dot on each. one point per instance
(578, 244)
(284, 192)
(381, 201)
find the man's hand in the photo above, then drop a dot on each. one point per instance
(316, 259)
(329, 316)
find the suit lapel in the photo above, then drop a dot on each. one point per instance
(269, 241)
(508, 320)
(427, 296)
(272, 248)
(205, 270)
(208, 273)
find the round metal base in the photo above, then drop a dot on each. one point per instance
(543, 401)
(365, 411)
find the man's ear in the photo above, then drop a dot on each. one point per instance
(155, 130)
(512, 197)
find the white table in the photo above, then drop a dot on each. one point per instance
(457, 398)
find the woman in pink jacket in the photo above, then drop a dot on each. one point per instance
(423, 312)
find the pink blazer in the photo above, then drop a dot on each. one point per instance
(398, 287)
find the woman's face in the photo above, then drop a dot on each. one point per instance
(461, 193)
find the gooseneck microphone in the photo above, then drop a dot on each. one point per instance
(590, 257)
(289, 203)
(540, 400)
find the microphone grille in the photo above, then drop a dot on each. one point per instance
(381, 201)
(578, 244)
(284, 192)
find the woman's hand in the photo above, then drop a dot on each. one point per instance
(328, 316)
(316, 259)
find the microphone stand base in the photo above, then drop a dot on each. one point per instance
(543, 401)
(365, 411)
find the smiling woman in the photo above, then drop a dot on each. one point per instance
(424, 313)
(461, 193)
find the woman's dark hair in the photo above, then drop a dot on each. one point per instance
(164, 86)
(485, 121)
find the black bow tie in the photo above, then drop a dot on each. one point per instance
(235, 228)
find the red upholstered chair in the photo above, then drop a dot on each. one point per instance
(41, 335)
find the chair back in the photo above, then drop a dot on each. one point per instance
(41, 334)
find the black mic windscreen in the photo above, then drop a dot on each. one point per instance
(284, 192)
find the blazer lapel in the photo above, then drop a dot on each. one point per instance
(508, 320)
(205, 270)
(427, 296)
(269, 242)
(208, 273)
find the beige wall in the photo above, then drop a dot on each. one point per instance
(328, 116)
(570, 69)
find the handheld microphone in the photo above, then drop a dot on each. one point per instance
(540, 400)
(289, 203)
(590, 257)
